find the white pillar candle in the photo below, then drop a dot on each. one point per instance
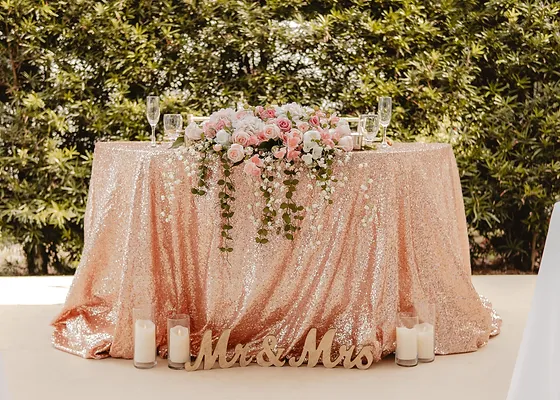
(144, 341)
(407, 343)
(425, 341)
(179, 346)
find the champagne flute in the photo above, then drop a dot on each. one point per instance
(369, 126)
(172, 125)
(384, 110)
(152, 112)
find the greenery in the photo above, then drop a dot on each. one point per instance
(479, 74)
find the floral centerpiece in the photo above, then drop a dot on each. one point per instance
(274, 145)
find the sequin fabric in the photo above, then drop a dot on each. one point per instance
(395, 236)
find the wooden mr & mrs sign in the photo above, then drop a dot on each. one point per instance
(271, 354)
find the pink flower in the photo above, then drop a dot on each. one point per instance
(236, 153)
(279, 154)
(221, 124)
(253, 141)
(217, 147)
(271, 132)
(209, 130)
(325, 135)
(293, 142)
(268, 113)
(284, 124)
(242, 114)
(346, 143)
(259, 109)
(303, 126)
(314, 120)
(342, 130)
(251, 169)
(241, 137)
(257, 161)
(334, 120)
(293, 155)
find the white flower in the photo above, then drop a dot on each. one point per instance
(222, 137)
(317, 152)
(309, 136)
(363, 187)
(307, 158)
(249, 150)
(193, 131)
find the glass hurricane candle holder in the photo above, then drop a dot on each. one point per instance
(406, 353)
(144, 337)
(178, 341)
(426, 332)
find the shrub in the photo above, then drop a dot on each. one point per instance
(480, 75)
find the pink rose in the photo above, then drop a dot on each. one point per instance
(268, 113)
(221, 124)
(314, 120)
(303, 126)
(293, 155)
(346, 143)
(241, 137)
(251, 169)
(217, 147)
(209, 130)
(271, 132)
(236, 153)
(279, 154)
(242, 114)
(284, 124)
(253, 141)
(257, 161)
(293, 142)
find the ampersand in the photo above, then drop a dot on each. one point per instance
(272, 352)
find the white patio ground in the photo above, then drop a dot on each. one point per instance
(30, 368)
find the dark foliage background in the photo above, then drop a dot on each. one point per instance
(482, 75)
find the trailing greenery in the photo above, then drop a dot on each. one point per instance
(482, 75)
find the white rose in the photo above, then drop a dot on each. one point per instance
(307, 158)
(193, 131)
(342, 128)
(346, 143)
(236, 153)
(222, 137)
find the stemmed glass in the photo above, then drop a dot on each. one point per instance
(384, 110)
(172, 125)
(152, 112)
(369, 126)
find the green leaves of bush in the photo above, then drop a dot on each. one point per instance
(481, 75)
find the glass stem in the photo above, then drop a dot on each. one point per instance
(153, 136)
(384, 142)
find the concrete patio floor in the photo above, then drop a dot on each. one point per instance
(31, 369)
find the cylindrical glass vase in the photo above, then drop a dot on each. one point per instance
(426, 332)
(144, 337)
(406, 353)
(178, 341)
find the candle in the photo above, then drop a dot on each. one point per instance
(407, 343)
(425, 341)
(144, 341)
(179, 346)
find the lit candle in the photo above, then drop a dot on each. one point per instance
(179, 346)
(425, 341)
(407, 343)
(144, 341)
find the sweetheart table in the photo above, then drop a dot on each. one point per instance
(394, 237)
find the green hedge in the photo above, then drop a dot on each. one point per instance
(481, 75)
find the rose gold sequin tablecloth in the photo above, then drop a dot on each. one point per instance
(395, 236)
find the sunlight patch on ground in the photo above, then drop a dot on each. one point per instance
(39, 290)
